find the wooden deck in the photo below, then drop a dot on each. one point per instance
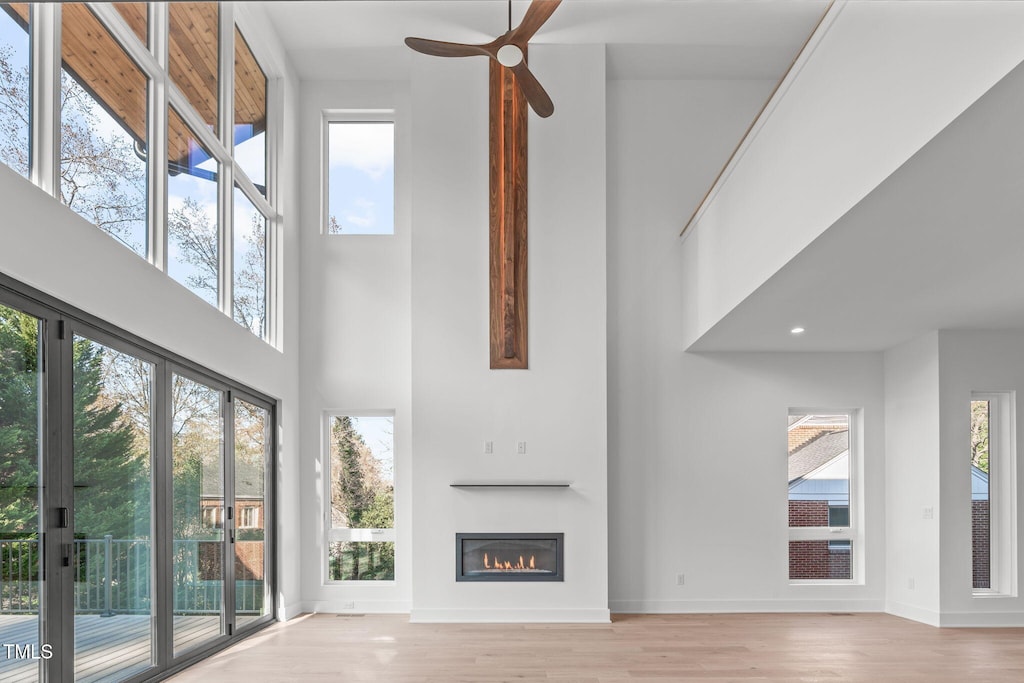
(118, 645)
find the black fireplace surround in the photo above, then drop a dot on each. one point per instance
(509, 557)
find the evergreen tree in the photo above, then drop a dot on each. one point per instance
(110, 474)
(19, 423)
(361, 498)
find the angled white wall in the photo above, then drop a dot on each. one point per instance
(877, 82)
(559, 405)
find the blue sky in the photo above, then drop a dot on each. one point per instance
(361, 177)
(378, 435)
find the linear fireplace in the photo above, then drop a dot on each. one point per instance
(509, 557)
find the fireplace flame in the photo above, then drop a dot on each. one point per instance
(506, 565)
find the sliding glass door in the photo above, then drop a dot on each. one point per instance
(135, 502)
(113, 498)
(252, 438)
(198, 513)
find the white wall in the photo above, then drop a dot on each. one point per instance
(558, 406)
(697, 443)
(973, 361)
(288, 492)
(912, 479)
(356, 350)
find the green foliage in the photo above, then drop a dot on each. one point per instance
(111, 471)
(979, 435)
(361, 498)
(111, 474)
(19, 423)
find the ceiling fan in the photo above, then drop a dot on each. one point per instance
(507, 49)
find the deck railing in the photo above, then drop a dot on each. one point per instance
(112, 576)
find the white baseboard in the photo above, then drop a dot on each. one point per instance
(509, 616)
(982, 619)
(740, 606)
(925, 616)
(291, 611)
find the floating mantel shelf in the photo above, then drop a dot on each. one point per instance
(510, 485)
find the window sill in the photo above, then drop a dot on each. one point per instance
(989, 594)
(825, 582)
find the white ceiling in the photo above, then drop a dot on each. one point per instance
(646, 38)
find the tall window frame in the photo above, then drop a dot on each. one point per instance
(151, 56)
(846, 537)
(343, 534)
(330, 117)
(1002, 494)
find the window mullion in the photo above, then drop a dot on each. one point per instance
(45, 144)
(158, 27)
(191, 118)
(275, 109)
(226, 112)
(251, 193)
(126, 38)
(813, 533)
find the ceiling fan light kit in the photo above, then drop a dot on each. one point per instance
(508, 49)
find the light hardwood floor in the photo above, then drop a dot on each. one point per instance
(874, 648)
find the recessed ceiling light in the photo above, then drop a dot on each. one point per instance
(797, 330)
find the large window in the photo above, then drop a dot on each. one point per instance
(250, 265)
(820, 464)
(250, 114)
(993, 494)
(103, 142)
(125, 123)
(193, 235)
(361, 543)
(359, 193)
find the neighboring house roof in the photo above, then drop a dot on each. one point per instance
(979, 484)
(816, 453)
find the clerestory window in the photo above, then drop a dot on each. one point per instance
(122, 123)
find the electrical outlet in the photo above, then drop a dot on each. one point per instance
(680, 579)
(928, 513)
(910, 584)
(521, 448)
(348, 605)
(488, 447)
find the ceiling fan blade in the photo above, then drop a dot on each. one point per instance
(534, 91)
(439, 48)
(537, 13)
